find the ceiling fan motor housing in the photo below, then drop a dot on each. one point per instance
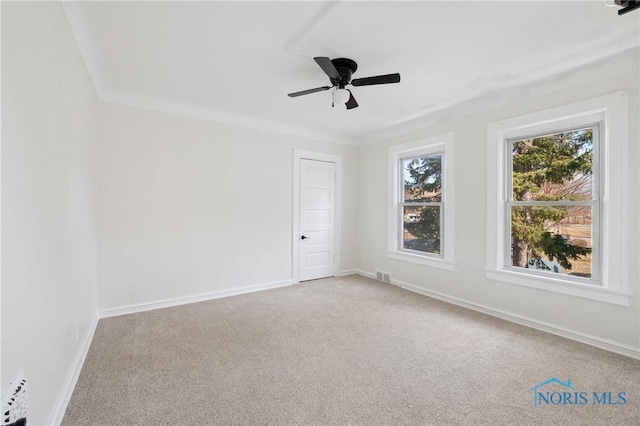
(346, 68)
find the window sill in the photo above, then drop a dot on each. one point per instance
(561, 286)
(422, 260)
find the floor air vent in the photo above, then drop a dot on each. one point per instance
(383, 276)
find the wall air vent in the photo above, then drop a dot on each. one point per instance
(14, 402)
(383, 276)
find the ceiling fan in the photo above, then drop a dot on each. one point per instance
(339, 71)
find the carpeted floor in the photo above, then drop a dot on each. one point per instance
(338, 351)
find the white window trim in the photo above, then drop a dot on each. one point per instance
(442, 144)
(614, 273)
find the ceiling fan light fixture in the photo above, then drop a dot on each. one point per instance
(341, 96)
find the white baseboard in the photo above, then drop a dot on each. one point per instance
(72, 378)
(599, 342)
(347, 272)
(149, 306)
(592, 340)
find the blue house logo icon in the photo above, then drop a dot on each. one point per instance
(537, 395)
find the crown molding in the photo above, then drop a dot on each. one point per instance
(83, 40)
(538, 84)
(106, 94)
(185, 109)
(622, 61)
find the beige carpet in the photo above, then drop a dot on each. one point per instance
(338, 351)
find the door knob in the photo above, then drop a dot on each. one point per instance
(304, 237)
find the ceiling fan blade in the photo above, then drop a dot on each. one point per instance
(306, 92)
(328, 67)
(351, 103)
(378, 79)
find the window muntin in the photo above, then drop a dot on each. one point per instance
(421, 204)
(552, 206)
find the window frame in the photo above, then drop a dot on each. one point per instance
(610, 112)
(594, 203)
(436, 145)
(402, 203)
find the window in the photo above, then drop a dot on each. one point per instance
(553, 203)
(557, 196)
(421, 204)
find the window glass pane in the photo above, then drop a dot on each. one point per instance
(421, 228)
(422, 178)
(558, 166)
(552, 239)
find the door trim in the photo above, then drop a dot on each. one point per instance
(295, 247)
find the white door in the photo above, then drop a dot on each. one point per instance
(317, 219)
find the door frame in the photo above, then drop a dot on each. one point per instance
(299, 155)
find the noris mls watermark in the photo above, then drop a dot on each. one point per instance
(569, 395)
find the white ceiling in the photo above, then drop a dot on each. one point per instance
(236, 61)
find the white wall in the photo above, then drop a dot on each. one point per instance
(186, 207)
(604, 321)
(189, 207)
(49, 134)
